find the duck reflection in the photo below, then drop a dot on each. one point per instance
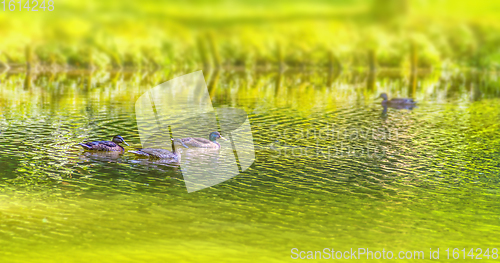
(397, 107)
(158, 164)
(205, 167)
(210, 156)
(100, 156)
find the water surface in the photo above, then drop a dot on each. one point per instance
(333, 168)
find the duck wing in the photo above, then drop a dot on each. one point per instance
(139, 152)
(402, 101)
(198, 142)
(86, 146)
(101, 146)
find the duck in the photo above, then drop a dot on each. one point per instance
(108, 146)
(155, 153)
(396, 101)
(211, 142)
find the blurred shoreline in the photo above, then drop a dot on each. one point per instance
(337, 34)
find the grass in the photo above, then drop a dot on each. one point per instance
(253, 33)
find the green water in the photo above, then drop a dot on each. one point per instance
(332, 169)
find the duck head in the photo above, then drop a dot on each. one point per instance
(215, 135)
(119, 139)
(383, 96)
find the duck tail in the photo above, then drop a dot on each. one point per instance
(85, 146)
(138, 152)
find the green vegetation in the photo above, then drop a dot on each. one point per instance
(253, 33)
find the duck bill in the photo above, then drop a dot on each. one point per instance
(180, 142)
(125, 143)
(183, 144)
(223, 138)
